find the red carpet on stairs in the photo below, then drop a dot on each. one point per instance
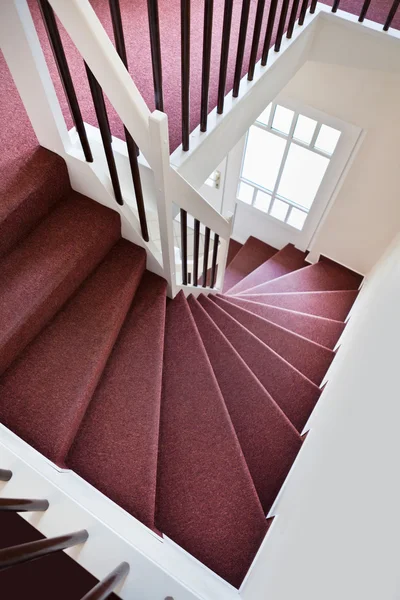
(44, 394)
(206, 499)
(268, 440)
(252, 254)
(116, 446)
(286, 260)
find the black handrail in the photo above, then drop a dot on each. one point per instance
(22, 505)
(244, 21)
(205, 77)
(183, 215)
(106, 586)
(185, 72)
(5, 475)
(205, 256)
(154, 27)
(22, 553)
(131, 146)
(256, 38)
(268, 32)
(196, 245)
(223, 65)
(65, 74)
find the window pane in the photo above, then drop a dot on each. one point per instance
(282, 119)
(279, 210)
(304, 129)
(302, 175)
(327, 139)
(263, 157)
(245, 192)
(264, 117)
(296, 218)
(262, 201)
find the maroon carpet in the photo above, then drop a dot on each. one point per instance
(250, 256)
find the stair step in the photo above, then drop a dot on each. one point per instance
(40, 274)
(42, 181)
(117, 444)
(250, 256)
(309, 358)
(330, 305)
(233, 249)
(269, 441)
(206, 499)
(320, 277)
(325, 332)
(285, 261)
(44, 394)
(291, 390)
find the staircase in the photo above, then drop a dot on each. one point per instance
(188, 413)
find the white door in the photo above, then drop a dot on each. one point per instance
(284, 173)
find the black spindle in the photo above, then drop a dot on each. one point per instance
(205, 256)
(244, 21)
(268, 33)
(223, 66)
(22, 505)
(214, 260)
(99, 106)
(131, 146)
(313, 6)
(154, 27)
(106, 586)
(281, 25)
(303, 12)
(335, 6)
(184, 246)
(364, 10)
(256, 38)
(65, 74)
(391, 15)
(5, 475)
(185, 71)
(196, 244)
(205, 78)
(292, 19)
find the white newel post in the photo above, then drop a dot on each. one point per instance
(159, 144)
(24, 56)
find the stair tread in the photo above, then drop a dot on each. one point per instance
(269, 441)
(285, 261)
(206, 500)
(325, 332)
(233, 249)
(117, 444)
(40, 274)
(291, 390)
(320, 277)
(26, 199)
(309, 358)
(45, 393)
(253, 253)
(330, 305)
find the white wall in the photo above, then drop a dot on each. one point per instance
(366, 212)
(337, 530)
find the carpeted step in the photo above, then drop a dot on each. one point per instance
(269, 441)
(206, 499)
(309, 358)
(233, 249)
(325, 332)
(40, 274)
(26, 199)
(293, 392)
(44, 394)
(285, 261)
(321, 277)
(331, 305)
(250, 256)
(117, 444)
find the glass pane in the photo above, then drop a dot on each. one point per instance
(297, 218)
(262, 201)
(263, 157)
(327, 139)
(282, 119)
(302, 175)
(279, 210)
(304, 129)
(264, 117)
(245, 192)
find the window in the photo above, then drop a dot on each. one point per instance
(285, 159)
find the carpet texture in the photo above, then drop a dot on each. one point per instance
(252, 254)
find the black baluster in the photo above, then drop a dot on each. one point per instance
(391, 15)
(281, 25)
(292, 19)
(313, 6)
(185, 71)
(205, 79)
(244, 20)
(268, 33)
(364, 10)
(214, 260)
(256, 38)
(205, 256)
(335, 6)
(223, 66)
(196, 244)
(154, 27)
(303, 12)
(184, 246)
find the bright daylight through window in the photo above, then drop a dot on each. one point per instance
(285, 159)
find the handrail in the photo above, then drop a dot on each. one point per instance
(106, 586)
